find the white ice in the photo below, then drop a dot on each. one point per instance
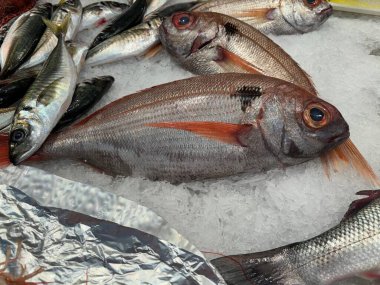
(249, 213)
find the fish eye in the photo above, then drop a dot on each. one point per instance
(312, 3)
(18, 136)
(182, 20)
(316, 116)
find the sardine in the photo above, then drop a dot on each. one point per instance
(203, 127)
(4, 29)
(100, 13)
(86, 95)
(49, 41)
(46, 100)
(273, 16)
(136, 41)
(128, 19)
(349, 249)
(205, 43)
(22, 38)
(12, 91)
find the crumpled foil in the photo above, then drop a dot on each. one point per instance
(122, 243)
(74, 248)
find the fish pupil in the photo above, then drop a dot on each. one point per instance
(18, 135)
(316, 114)
(184, 20)
(311, 1)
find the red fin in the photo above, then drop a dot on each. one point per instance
(153, 51)
(224, 132)
(371, 275)
(357, 205)
(233, 62)
(4, 150)
(260, 13)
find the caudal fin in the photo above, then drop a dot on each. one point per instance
(265, 268)
(4, 151)
(58, 30)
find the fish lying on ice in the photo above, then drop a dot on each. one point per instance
(274, 16)
(22, 38)
(349, 249)
(45, 101)
(49, 41)
(203, 127)
(100, 13)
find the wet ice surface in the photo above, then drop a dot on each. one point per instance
(248, 213)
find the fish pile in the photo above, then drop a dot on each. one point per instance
(251, 109)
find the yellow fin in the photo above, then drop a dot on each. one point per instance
(58, 29)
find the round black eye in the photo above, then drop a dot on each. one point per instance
(184, 20)
(18, 136)
(311, 2)
(316, 114)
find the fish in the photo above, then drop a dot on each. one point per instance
(12, 90)
(49, 40)
(279, 17)
(139, 40)
(128, 19)
(86, 95)
(9, 9)
(100, 13)
(169, 8)
(45, 101)
(349, 249)
(78, 52)
(202, 127)
(5, 28)
(206, 42)
(22, 38)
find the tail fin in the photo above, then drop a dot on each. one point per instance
(58, 30)
(264, 268)
(4, 150)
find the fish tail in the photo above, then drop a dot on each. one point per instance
(345, 155)
(264, 268)
(61, 29)
(4, 150)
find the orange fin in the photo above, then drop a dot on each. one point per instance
(4, 150)
(224, 132)
(153, 51)
(265, 14)
(232, 62)
(357, 205)
(345, 155)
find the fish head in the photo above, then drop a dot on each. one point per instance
(187, 33)
(298, 125)
(26, 136)
(306, 15)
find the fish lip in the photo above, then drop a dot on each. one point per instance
(339, 138)
(327, 11)
(197, 46)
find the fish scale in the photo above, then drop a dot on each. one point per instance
(126, 138)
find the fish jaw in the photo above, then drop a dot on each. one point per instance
(304, 18)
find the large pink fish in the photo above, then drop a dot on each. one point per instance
(202, 127)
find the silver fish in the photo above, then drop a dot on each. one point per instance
(6, 117)
(134, 42)
(22, 38)
(45, 102)
(203, 127)
(274, 16)
(98, 14)
(49, 40)
(349, 249)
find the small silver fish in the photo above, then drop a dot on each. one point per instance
(349, 249)
(46, 100)
(22, 38)
(134, 42)
(6, 117)
(49, 40)
(98, 14)
(273, 16)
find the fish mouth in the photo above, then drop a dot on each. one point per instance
(327, 11)
(336, 140)
(200, 43)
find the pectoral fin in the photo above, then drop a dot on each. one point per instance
(224, 132)
(232, 62)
